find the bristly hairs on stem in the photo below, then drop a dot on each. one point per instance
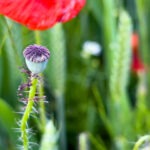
(36, 58)
(27, 112)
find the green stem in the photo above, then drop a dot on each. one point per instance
(27, 113)
(142, 18)
(109, 31)
(141, 141)
(9, 28)
(42, 106)
(41, 90)
(143, 22)
(37, 37)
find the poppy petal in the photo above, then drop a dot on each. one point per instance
(70, 8)
(40, 14)
(36, 14)
(137, 64)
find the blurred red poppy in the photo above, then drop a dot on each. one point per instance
(137, 64)
(40, 14)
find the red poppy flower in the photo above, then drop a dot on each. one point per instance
(137, 64)
(40, 14)
(135, 41)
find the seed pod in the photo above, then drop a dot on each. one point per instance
(36, 58)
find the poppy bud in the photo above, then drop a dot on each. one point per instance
(36, 58)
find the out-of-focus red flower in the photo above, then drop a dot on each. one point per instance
(137, 64)
(40, 14)
(135, 42)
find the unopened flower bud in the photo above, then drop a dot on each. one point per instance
(36, 58)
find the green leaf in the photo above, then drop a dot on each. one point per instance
(7, 115)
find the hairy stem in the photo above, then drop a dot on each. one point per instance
(41, 91)
(42, 106)
(27, 113)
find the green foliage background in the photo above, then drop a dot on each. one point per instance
(95, 96)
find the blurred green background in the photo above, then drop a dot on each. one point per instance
(98, 102)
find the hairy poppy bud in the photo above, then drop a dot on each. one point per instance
(36, 58)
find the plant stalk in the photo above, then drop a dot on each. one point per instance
(27, 113)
